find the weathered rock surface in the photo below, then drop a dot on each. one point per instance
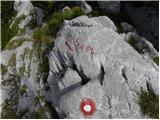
(23, 7)
(89, 60)
(127, 27)
(112, 7)
(143, 45)
(110, 70)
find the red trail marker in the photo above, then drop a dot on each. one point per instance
(88, 107)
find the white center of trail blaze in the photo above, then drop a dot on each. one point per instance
(87, 108)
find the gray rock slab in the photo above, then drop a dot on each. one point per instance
(112, 72)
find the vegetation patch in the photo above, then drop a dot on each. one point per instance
(42, 111)
(156, 60)
(149, 104)
(15, 43)
(44, 36)
(7, 110)
(23, 89)
(133, 42)
(57, 18)
(3, 69)
(39, 97)
(119, 28)
(11, 32)
(9, 106)
(40, 114)
(6, 82)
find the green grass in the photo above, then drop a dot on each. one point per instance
(8, 33)
(156, 60)
(149, 104)
(8, 14)
(14, 44)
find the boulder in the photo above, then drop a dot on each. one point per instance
(112, 7)
(85, 6)
(127, 27)
(142, 45)
(97, 64)
(145, 21)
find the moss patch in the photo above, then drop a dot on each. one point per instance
(149, 104)
(156, 60)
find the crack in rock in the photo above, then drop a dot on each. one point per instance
(124, 75)
(110, 107)
(101, 75)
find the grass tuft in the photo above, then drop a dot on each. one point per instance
(149, 104)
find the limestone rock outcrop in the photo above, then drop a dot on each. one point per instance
(105, 69)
